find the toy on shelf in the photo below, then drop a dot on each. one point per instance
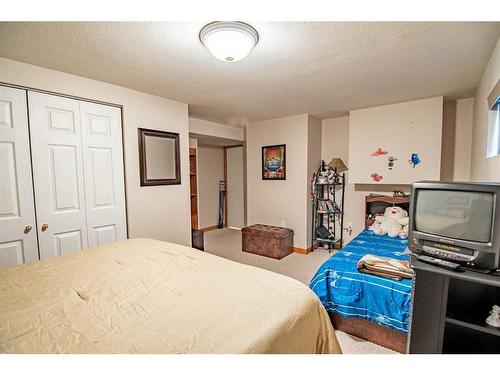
(494, 318)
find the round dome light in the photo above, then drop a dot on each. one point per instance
(229, 41)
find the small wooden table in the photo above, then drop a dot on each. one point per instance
(266, 240)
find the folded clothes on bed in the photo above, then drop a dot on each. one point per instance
(385, 267)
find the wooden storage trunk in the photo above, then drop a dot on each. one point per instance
(273, 242)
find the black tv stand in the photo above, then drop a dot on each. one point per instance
(449, 311)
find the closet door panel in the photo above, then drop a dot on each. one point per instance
(103, 166)
(58, 174)
(18, 243)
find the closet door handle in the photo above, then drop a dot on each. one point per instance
(28, 228)
(44, 227)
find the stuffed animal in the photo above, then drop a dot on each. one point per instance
(494, 318)
(392, 223)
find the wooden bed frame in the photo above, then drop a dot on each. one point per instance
(378, 334)
(383, 336)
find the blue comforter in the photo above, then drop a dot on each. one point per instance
(345, 291)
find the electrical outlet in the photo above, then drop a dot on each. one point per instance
(348, 228)
(283, 223)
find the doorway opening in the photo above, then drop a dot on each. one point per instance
(215, 163)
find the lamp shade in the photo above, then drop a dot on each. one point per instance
(338, 165)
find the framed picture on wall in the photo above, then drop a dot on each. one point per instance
(274, 162)
(159, 157)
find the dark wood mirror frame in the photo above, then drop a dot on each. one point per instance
(143, 133)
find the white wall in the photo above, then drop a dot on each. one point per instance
(210, 172)
(463, 139)
(457, 140)
(335, 144)
(214, 129)
(335, 139)
(314, 129)
(401, 129)
(193, 143)
(160, 212)
(274, 202)
(448, 140)
(235, 187)
(483, 168)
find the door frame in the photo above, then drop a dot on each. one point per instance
(225, 179)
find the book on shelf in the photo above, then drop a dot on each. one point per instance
(327, 206)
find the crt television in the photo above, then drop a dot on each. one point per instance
(459, 222)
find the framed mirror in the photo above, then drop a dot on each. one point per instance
(159, 160)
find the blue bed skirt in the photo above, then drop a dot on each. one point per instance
(347, 292)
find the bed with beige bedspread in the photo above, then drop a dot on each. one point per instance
(148, 296)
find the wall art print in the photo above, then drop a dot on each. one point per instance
(376, 177)
(274, 162)
(379, 152)
(414, 160)
(390, 162)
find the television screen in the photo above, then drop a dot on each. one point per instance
(464, 215)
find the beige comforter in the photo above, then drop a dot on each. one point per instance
(147, 296)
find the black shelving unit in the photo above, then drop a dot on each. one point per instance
(449, 311)
(327, 195)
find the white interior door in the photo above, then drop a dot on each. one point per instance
(56, 148)
(103, 170)
(18, 243)
(235, 187)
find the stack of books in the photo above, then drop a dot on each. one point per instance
(328, 207)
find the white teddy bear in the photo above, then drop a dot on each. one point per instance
(394, 223)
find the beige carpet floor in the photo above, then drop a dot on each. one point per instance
(227, 244)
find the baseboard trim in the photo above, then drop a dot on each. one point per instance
(208, 229)
(301, 250)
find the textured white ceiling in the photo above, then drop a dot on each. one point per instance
(321, 68)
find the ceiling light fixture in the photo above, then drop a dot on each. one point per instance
(229, 41)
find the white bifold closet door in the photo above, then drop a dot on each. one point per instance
(77, 172)
(103, 173)
(18, 240)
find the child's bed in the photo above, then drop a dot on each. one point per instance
(371, 307)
